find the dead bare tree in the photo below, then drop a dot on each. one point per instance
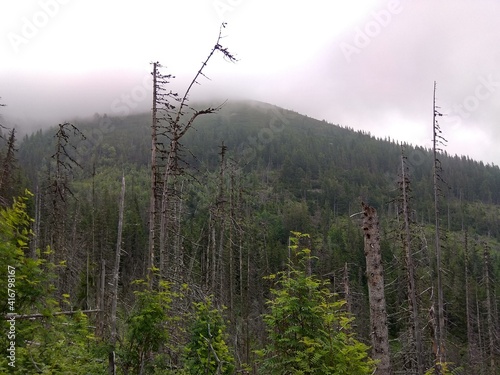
(437, 142)
(416, 354)
(59, 189)
(116, 276)
(375, 274)
(473, 349)
(166, 193)
(489, 308)
(160, 99)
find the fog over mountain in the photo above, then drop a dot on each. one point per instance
(369, 65)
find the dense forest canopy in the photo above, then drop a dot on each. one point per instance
(328, 164)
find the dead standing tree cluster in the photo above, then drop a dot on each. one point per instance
(414, 352)
(172, 117)
(59, 190)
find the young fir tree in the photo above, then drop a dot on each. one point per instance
(308, 331)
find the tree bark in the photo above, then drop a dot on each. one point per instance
(153, 192)
(489, 309)
(375, 274)
(410, 269)
(116, 275)
(441, 330)
(470, 336)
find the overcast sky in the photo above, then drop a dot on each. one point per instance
(364, 64)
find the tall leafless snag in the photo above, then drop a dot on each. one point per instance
(172, 118)
(160, 99)
(487, 274)
(375, 273)
(437, 142)
(473, 349)
(217, 228)
(59, 189)
(415, 364)
(116, 274)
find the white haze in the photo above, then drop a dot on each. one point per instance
(369, 65)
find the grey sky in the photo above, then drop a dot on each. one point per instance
(369, 65)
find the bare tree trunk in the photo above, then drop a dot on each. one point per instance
(221, 219)
(116, 275)
(480, 335)
(164, 221)
(36, 223)
(470, 339)
(441, 330)
(231, 247)
(410, 268)
(101, 298)
(347, 290)
(153, 192)
(489, 309)
(375, 274)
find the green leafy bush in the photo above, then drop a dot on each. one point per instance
(207, 351)
(47, 344)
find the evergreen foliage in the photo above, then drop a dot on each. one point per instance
(308, 331)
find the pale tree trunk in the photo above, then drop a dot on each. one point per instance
(101, 302)
(347, 290)
(231, 247)
(221, 219)
(153, 191)
(36, 223)
(470, 336)
(375, 274)
(489, 309)
(414, 325)
(116, 274)
(480, 335)
(441, 330)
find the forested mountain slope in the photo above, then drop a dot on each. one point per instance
(252, 173)
(310, 159)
